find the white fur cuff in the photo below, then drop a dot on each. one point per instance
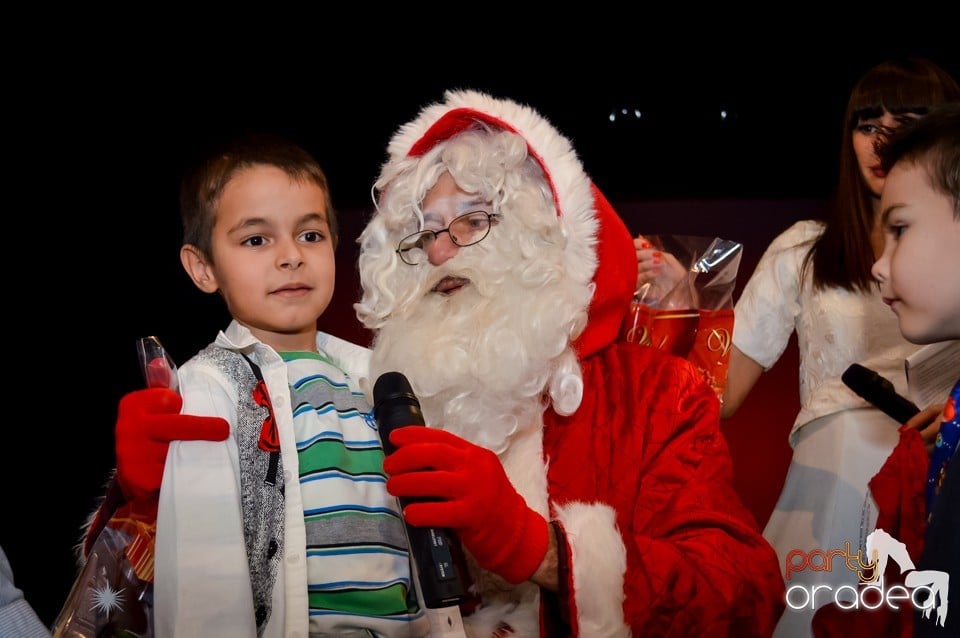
(599, 563)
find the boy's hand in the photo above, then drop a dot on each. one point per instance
(147, 420)
(464, 488)
(928, 422)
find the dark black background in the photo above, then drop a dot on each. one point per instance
(109, 130)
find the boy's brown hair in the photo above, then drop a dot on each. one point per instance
(202, 187)
(933, 143)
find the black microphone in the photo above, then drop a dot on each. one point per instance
(395, 405)
(880, 392)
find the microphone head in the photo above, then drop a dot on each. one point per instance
(392, 386)
(865, 382)
(856, 376)
(394, 403)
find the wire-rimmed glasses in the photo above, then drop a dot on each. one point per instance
(465, 230)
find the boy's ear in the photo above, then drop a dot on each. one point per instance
(197, 267)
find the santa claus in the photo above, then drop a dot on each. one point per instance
(587, 478)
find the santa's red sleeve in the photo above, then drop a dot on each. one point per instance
(640, 480)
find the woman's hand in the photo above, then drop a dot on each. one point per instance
(659, 275)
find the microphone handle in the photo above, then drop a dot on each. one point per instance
(901, 410)
(433, 554)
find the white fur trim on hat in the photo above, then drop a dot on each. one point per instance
(568, 180)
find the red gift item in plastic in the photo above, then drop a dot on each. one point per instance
(711, 351)
(672, 330)
(684, 301)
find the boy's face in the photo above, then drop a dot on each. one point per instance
(273, 256)
(918, 270)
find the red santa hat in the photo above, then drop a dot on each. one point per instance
(599, 246)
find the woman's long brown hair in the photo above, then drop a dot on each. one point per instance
(843, 255)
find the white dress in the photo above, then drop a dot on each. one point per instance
(839, 441)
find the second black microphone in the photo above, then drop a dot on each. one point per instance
(880, 392)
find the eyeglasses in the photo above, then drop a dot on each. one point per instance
(466, 230)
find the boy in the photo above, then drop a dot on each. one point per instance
(286, 527)
(919, 275)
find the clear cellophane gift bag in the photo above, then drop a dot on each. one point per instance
(687, 309)
(112, 596)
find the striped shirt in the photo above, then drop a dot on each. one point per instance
(358, 564)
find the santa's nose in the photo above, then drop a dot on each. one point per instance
(442, 249)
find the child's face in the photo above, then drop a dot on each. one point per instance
(918, 270)
(273, 256)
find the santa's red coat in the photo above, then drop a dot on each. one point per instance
(640, 477)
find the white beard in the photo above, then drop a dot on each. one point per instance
(481, 360)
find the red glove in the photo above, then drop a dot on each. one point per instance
(147, 420)
(469, 493)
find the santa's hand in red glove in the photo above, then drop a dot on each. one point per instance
(147, 420)
(467, 490)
